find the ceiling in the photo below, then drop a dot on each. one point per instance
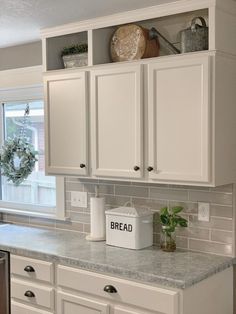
(21, 20)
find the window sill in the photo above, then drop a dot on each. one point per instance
(31, 214)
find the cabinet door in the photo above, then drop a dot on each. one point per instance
(117, 118)
(123, 310)
(19, 308)
(73, 304)
(66, 124)
(178, 119)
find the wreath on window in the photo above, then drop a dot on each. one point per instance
(18, 156)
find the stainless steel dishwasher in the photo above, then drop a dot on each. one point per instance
(4, 283)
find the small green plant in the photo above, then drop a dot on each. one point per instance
(75, 49)
(170, 219)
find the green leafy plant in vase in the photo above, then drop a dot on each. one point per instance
(170, 219)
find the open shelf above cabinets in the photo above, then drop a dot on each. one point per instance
(98, 36)
(55, 45)
(169, 26)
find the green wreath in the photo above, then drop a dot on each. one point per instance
(17, 159)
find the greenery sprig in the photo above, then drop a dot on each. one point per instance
(75, 49)
(170, 219)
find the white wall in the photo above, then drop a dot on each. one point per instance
(20, 78)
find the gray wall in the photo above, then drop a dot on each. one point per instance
(26, 55)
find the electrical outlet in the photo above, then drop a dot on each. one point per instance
(79, 199)
(203, 211)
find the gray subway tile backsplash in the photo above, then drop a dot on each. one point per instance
(221, 211)
(211, 197)
(222, 236)
(215, 236)
(135, 191)
(194, 233)
(214, 223)
(211, 247)
(169, 194)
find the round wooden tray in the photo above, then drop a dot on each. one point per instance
(131, 42)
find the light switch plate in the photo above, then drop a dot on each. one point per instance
(79, 199)
(203, 211)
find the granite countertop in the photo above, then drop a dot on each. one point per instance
(180, 269)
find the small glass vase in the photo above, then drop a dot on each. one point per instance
(168, 240)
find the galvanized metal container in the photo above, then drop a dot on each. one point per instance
(194, 38)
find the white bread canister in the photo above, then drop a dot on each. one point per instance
(129, 227)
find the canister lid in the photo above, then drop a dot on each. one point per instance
(129, 212)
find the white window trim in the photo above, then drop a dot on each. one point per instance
(27, 93)
(28, 209)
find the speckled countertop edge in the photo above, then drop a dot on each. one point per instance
(116, 271)
(121, 272)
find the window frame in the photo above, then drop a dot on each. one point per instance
(27, 94)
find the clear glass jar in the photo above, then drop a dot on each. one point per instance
(168, 240)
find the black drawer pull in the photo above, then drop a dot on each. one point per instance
(29, 294)
(136, 168)
(149, 169)
(110, 289)
(82, 165)
(29, 269)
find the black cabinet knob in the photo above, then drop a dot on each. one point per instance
(29, 269)
(29, 294)
(149, 169)
(136, 168)
(82, 165)
(110, 289)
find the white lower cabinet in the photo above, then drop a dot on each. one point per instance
(74, 304)
(68, 303)
(119, 291)
(18, 308)
(32, 293)
(77, 291)
(123, 310)
(32, 286)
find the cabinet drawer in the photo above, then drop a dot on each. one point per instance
(18, 308)
(43, 296)
(40, 270)
(152, 298)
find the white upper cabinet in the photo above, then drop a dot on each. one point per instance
(169, 119)
(66, 123)
(117, 121)
(178, 119)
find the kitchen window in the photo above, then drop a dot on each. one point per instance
(38, 195)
